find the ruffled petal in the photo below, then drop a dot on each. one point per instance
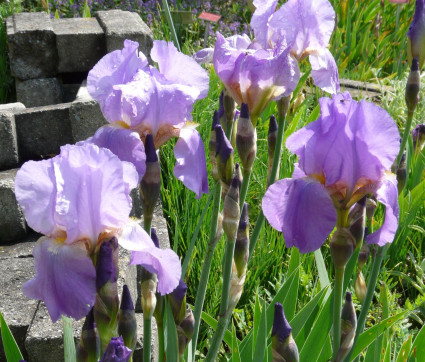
(35, 190)
(387, 195)
(191, 167)
(65, 279)
(124, 143)
(134, 237)
(324, 71)
(163, 262)
(180, 68)
(204, 56)
(302, 210)
(259, 21)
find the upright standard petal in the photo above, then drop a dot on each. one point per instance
(65, 279)
(387, 195)
(191, 167)
(259, 21)
(164, 263)
(324, 71)
(180, 68)
(302, 210)
(133, 237)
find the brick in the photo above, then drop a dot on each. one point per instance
(39, 92)
(9, 157)
(32, 46)
(80, 43)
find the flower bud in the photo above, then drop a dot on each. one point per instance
(357, 217)
(236, 286)
(271, 143)
(370, 207)
(401, 173)
(88, 348)
(229, 110)
(283, 106)
(185, 330)
(127, 325)
(177, 299)
(413, 86)
(116, 351)
(224, 156)
(284, 347)
(348, 327)
(246, 139)
(148, 296)
(240, 255)
(150, 186)
(416, 35)
(231, 211)
(342, 246)
(360, 287)
(212, 147)
(418, 137)
(363, 255)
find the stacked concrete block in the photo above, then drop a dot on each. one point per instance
(39, 92)
(9, 155)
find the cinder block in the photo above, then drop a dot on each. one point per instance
(11, 107)
(86, 118)
(39, 92)
(9, 157)
(32, 45)
(42, 130)
(119, 25)
(12, 221)
(80, 43)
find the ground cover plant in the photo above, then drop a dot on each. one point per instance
(258, 269)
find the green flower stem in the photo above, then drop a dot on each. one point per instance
(336, 326)
(223, 321)
(161, 345)
(147, 336)
(406, 135)
(273, 173)
(369, 295)
(147, 223)
(244, 187)
(205, 273)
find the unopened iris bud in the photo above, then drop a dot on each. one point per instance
(236, 286)
(231, 211)
(371, 205)
(127, 325)
(360, 287)
(229, 110)
(213, 145)
(413, 86)
(363, 255)
(418, 138)
(283, 106)
(401, 173)
(116, 351)
(185, 330)
(246, 139)
(271, 143)
(148, 296)
(150, 186)
(88, 349)
(357, 218)
(416, 35)
(240, 255)
(342, 246)
(224, 156)
(284, 347)
(348, 327)
(177, 299)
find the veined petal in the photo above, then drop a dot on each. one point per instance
(134, 237)
(180, 68)
(387, 195)
(35, 190)
(191, 167)
(302, 210)
(204, 56)
(65, 279)
(163, 262)
(259, 21)
(324, 71)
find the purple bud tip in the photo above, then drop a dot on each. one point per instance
(244, 220)
(415, 65)
(126, 301)
(179, 293)
(116, 351)
(216, 120)
(362, 201)
(281, 327)
(348, 297)
(222, 146)
(272, 124)
(105, 267)
(221, 105)
(150, 151)
(236, 182)
(89, 323)
(244, 111)
(154, 237)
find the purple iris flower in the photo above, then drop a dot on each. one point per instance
(343, 156)
(306, 26)
(416, 34)
(116, 351)
(136, 96)
(77, 200)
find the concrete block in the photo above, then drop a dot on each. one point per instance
(85, 118)
(9, 157)
(32, 45)
(80, 43)
(39, 92)
(12, 221)
(119, 25)
(42, 130)
(11, 107)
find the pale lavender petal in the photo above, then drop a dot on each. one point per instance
(387, 194)
(191, 167)
(259, 21)
(302, 210)
(204, 56)
(35, 190)
(180, 68)
(65, 279)
(92, 193)
(124, 143)
(239, 42)
(163, 262)
(324, 71)
(134, 237)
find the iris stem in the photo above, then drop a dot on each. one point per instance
(406, 134)
(205, 273)
(161, 345)
(147, 333)
(336, 329)
(244, 187)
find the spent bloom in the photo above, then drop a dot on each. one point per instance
(416, 34)
(344, 155)
(143, 99)
(78, 200)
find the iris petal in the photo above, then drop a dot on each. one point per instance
(324, 71)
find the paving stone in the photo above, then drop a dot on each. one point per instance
(32, 45)
(16, 267)
(42, 130)
(12, 221)
(119, 25)
(11, 107)
(9, 157)
(80, 43)
(39, 92)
